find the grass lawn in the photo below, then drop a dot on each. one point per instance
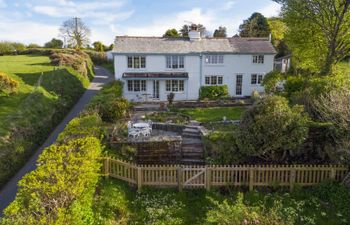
(27, 69)
(214, 114)
(117, 203)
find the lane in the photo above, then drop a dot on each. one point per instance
(8, 192)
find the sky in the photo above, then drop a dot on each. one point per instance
(38, 21)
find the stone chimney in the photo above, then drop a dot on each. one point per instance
(194, 34)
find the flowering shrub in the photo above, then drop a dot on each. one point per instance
(7, 84)
(213, 92)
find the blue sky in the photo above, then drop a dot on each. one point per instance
(37, 21)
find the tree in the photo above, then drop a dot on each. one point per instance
(98, 46)
(318, 32)
(255, 26)
(171, 33)
(76, 32)
(278, 31)
(220, 32)
(272, 130)
(33, 45)
(185, 29)
(54, 43)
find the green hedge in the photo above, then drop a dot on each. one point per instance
(213, 92)
(61, 189)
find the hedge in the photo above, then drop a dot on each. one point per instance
(61, 189)
(213, 92)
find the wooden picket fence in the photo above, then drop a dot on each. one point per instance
(183, 176)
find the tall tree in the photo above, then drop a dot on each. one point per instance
(171, 33)
(186, 28)
(76, 32)
(54, 43)
(255, 26)
(278, 31)
(318, 32)
(220, 32)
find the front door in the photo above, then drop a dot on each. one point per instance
(156, 89)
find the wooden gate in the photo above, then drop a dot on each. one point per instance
(193, 177)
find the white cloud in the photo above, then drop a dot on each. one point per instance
(272, 9)
(26, 31)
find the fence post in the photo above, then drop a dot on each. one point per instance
(292, 179)
(179, 178)
(106, 167)
(333, 173)
(139, 178)
(251, 178)
(207, 178)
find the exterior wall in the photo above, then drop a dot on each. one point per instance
(233, 65)
(239, 64)
(157, 63)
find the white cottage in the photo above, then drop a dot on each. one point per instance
(153, 67)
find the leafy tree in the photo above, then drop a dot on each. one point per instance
(98, 46)
(185, 29)
(272, 130)
(272, 82)
(255, 26)
(171, 33)
(220, 32)
(278, 31)
(318, 32)
(18, 46)
(6, 48)
(76, 32)
(33, 45)
(54, 43)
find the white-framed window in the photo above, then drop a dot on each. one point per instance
(258, 59)
(175, 62)
(213, 80)
(214, 59)
(175, 85)
(256, 78)
(137, 85)
(136, 62)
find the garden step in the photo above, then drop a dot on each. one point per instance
(191, 135)
(192, 156)
(192, 150)
(188, 141)
(191, 130)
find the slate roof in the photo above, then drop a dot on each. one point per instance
(160, 45)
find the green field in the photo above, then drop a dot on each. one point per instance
(214, 114)
(27, 69)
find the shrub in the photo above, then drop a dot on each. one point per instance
(239, 213)
(221, 148)
(61, 189)
(97, 57)
(213, 92)
(6, 48)
(272, 130)
(171, 97)
(78, 60)
(108, 103)
(272, 82)
(7, 84)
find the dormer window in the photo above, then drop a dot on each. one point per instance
(175, 62)
(136, 62)
(214, 59)
(258, 59)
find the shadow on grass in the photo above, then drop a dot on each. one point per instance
(60, 82)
